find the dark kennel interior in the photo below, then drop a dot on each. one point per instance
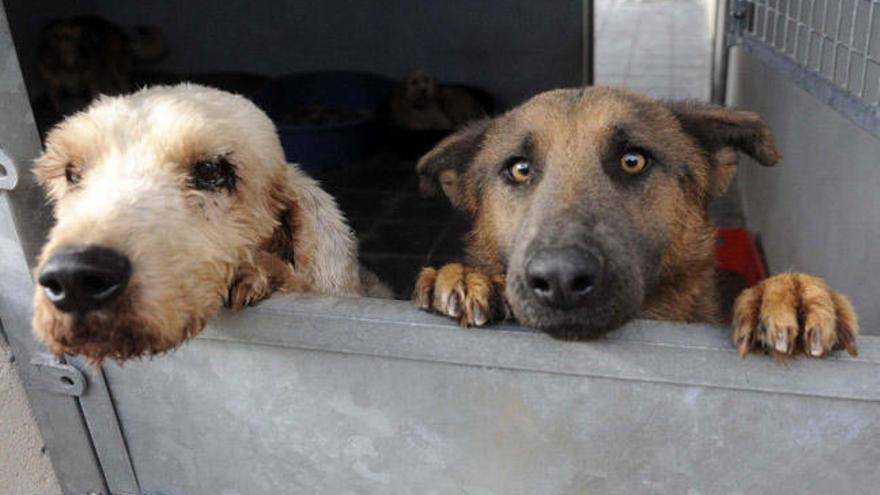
(327, 85)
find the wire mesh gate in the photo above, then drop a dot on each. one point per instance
(831, 48)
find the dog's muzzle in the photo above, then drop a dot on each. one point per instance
(84, 278)
(573, 286)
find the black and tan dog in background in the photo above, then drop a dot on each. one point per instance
(589, 208)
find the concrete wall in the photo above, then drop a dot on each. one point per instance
(513, 48)
(819, 211)
(24, 466)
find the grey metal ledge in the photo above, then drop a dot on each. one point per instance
(326, 396)
(645, 351)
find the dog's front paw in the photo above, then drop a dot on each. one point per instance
(258, 279)
(465, 293)
(251, 286)
(794, 312)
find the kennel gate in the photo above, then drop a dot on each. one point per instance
(323, 395)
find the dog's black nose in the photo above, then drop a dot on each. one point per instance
(563, 277)
(82, 279)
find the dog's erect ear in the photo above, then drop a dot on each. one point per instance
(442, 167)
(722, 132)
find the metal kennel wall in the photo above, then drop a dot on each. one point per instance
(318, 395)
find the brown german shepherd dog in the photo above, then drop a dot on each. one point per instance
(589, 208)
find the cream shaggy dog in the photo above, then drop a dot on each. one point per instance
(169, 203)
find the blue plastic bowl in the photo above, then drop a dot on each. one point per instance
(315, 146)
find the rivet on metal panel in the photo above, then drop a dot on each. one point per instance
(50, 375)
(8, 173)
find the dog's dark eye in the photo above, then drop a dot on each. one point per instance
(211, 175)
(518, 171)
(633, 162)
(72, 175)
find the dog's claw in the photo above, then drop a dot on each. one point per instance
(479, 315)
(816, 343)
(424, 303)
(453, 306)
(781, 344)
(424, 291)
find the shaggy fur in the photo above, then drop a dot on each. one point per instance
(648, 232)
(120, 175)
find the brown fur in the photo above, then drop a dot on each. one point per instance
(652, 230)
(191, 250)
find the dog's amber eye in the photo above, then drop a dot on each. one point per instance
(71, 174)
(633, 162)
(211, 175)
(519, 171)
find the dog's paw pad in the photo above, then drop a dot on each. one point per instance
(792, 313)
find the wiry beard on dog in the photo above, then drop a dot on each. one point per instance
(120, 334)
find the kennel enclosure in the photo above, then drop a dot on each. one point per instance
(323, 395)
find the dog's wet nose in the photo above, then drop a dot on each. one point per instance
(564, 277)
(82, 279)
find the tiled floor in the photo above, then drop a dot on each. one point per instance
(658, 47)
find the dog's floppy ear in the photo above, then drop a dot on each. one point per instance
(722, 132)
(312, 234)
(442, 167)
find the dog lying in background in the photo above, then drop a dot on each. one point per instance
(169, 203)
(82, 57)
(420, 103)
(589, 208)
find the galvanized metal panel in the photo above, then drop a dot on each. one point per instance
(110, 448)
(316, 395)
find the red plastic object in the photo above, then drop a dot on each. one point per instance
(737, 252)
